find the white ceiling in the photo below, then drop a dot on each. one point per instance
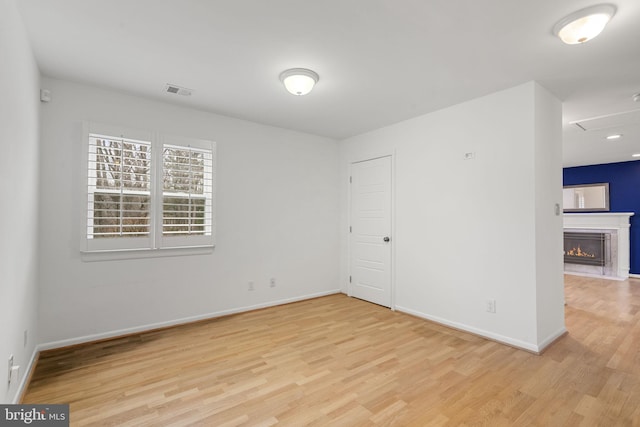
(379, 61)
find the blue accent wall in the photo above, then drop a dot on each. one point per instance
(624, 194)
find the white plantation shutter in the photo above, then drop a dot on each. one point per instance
(187, 192)
(147, 192)
(119, 187)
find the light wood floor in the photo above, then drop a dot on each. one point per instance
(339, 361)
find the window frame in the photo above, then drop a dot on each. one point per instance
(166, 241)
(155, 244)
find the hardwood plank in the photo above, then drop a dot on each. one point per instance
(341, 361)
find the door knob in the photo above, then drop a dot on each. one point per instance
(386, 239)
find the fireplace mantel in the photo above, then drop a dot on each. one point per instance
(616, 221)
(612, 220)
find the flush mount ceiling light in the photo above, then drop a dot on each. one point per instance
(614, 137)
(635, 155)
(299, 81)
(585, 24)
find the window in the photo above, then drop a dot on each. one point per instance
(119, 187)
(147, 191)
(186, 191)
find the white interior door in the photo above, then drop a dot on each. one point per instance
(370, 232)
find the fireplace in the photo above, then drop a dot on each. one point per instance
(615, 226)
(585, 248)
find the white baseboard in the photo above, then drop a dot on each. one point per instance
(25, 376)
(148, 327)
(596, 276)
(475, 331)
(634, 276)
(551, 338)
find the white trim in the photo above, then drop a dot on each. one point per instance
(106, 129)
(394, 235)
(634, 276)
(25, 376)
(121, 254)
(350, 176)
(597, 214)
(595, 276)
(475, 331)
(551, 339)
(143, 328)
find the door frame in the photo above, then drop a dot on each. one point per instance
(360, 159)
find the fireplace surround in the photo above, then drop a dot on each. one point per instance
(612, 230)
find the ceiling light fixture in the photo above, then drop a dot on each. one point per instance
(635, 155)
(636, 97)
(615, 136)
(299, 81)
(585, 24)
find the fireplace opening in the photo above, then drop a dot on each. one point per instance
(585, 248)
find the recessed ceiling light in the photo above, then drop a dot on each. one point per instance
(615, 136)
(635, 155)
(585, 24)
(299, 81)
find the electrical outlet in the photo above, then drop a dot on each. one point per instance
(10, 369)
(251, 286)
(491, 305)
(272, 282)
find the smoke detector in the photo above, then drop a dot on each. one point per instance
(175, 89)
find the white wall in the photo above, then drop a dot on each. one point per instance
(549, 226)
(468, 230)
(19, 106)
(277, 215)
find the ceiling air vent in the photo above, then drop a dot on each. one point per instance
(169, 88)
